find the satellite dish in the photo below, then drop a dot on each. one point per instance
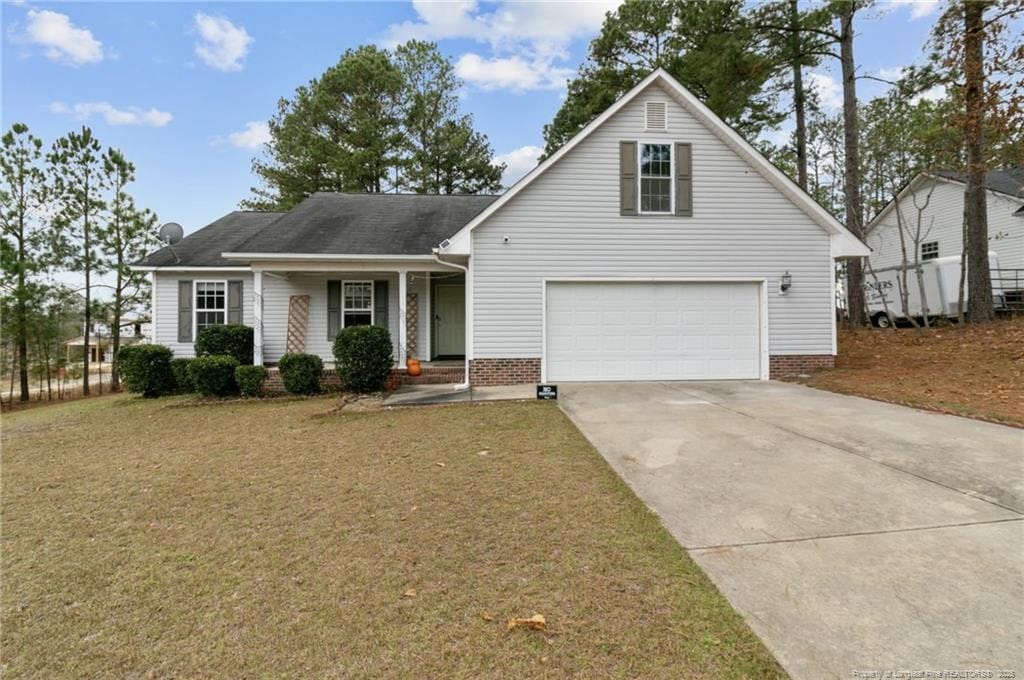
(171, 233)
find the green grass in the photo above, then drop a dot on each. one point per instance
(276, 538)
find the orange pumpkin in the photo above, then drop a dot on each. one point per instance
(413, 368)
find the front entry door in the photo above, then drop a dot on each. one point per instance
(450, 319)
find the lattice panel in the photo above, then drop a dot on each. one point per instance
(298, 322)
(412, 324)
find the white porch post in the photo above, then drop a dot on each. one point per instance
(403, 285)
(257, 317)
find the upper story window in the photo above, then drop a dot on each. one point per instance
(655, 178)
(211, 304)
(357, 303)
(930, 250)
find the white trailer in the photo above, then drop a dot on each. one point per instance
(941, 278)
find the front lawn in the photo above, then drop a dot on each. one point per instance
(974, 370)
(280, 538)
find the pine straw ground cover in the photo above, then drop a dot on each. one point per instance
(281, 538)
(973, 370)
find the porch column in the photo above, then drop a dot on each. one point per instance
(257, 317)
(403, 294)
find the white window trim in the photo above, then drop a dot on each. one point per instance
(373, 301)
(195, 304)
(647, 116)
(671, 177)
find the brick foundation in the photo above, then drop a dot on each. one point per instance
(432, 375)
(486, 372)
(784, 365)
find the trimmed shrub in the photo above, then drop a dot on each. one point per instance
(214, 376)
(301, 373)
(364, 357)
(233, 340)
(182, 380)
(146, 369)
(250, 379)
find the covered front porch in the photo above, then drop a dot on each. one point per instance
(301, 307)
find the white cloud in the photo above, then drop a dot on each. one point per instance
(918, 8)
(62, 40)
(221, 45)
(828, 89)
(513, 73)
(255, 134)
(113, 115)
(932, 94)
(518, 162)
(526, 38)
(893, 73)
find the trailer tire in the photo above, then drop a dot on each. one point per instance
(882, 320)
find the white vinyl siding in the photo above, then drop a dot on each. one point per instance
(567, 224)
(276, 292)
(165, 298)
(942, 221)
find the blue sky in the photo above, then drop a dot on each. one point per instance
(184, 89)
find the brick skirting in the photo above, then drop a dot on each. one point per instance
(784, 365)
(486, 372)
(432, 375)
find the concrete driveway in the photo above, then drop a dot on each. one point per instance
(853, 535)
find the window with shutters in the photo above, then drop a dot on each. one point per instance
(655, 178)
(211, 308)
(357, 303)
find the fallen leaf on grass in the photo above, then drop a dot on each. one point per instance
(485, 452)
(486, 617)
(409, 593)
(439, 464)
(535, 622)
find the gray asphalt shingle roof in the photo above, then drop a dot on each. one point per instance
(203, 248)
(366, 224)
(1010, 181)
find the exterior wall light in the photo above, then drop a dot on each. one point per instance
(786, 283)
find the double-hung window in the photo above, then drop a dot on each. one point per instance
(655, 178)
(211, 304)
(357, 303)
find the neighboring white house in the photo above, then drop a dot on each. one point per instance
(939, 200)
(655, 245)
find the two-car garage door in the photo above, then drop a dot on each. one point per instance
(652, 331)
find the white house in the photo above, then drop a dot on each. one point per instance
(938, 199)
(655, 245)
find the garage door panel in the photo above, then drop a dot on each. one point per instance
(652, 331)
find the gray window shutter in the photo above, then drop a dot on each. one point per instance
(184, 311)
(380, 304)
(333, 309)
(627, 178)
(684, 179)
(235, 302)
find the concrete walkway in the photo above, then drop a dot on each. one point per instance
(853, 535)
(420, 395)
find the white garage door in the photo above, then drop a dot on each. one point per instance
(652, 331)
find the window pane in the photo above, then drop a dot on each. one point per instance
(656, 160)
(656, 195)
(358, 295)
(357, 319)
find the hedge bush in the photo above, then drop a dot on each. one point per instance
(233, 340)
(214, 376)
(250, 379)
(146, 369)
(301, 373)
(182, 380)
(364, 357)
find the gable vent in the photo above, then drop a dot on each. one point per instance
(657, 116)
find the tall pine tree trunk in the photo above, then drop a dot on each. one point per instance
(88, 301)
(851, 172)
(979, 278)
(22, 319)
(799, 99)
(115, 332)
